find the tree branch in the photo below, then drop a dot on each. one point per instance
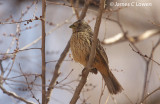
(148, 70)
(145, 56)
(50, 31)
(15, 22)
(43, 52)
(141, 102)
(84, 10)
(120, 37)
(91, 57)
(75, 9)
(63, 55)
(14, 95)
(56, 72)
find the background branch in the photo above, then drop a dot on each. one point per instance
(14, 95)
(121, 37)
(75, 9)
(148, 70)
(141, 102)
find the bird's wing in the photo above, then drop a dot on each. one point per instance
(101, 51)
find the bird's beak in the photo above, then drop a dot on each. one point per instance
(71, 26)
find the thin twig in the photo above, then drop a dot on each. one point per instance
(56, 61)
(39, 38)
(22, 15)
(2, 73)
(17, 48)
(146, 79)
(147, 72)
(12, 94)
(128, 98)
(56, 3)
(15, 22)
(141, 102)
(118, 22)
(36, 75)
(102, 91)
(145, 56)
(107, 99)
(16, 51)
(154, 23)
(124, 33)
(114, 100)
(30, 89)
(66, 77)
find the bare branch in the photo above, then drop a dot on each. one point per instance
(84, 10)
(147, 72)
(22, 15)
(150, 58)
(141, 102)
(102, 91)
(30, 89)
(154, 23)
(75, 9)
(124, 33)
(56, 3)
(12, 94)
(43, 52)
(92, 55)
(63, 55)
(66, 77)
(56, 72)
(14, 22)
(128, 98)
(145, 56)
(39, 38)
(2, 72)
(17, 48)
(107, 99)
(120, 37)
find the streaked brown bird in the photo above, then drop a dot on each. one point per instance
(80, 43)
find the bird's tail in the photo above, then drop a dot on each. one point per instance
(112, 83)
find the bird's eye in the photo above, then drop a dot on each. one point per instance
(79, 24)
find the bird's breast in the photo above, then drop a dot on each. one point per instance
(80, 47)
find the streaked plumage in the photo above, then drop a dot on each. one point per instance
(80, 44)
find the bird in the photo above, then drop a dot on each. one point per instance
(80, 44)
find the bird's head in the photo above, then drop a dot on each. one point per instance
(79, 26)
